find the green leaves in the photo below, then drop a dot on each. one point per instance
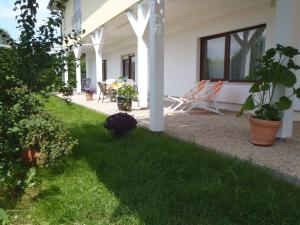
(290, 51)
(291, 64)
(284, 103)
(3, 217)
(270, 53)
(284, 76)
(248, 105)
(255, 88)
(297, 92)
(275, 69)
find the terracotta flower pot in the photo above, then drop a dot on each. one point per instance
(33, 157)
(28, 156)
(89, 96)
(124, 104)
(263, 132)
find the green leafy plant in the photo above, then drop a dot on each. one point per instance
(127, 91)
(275, 70)
(46, 135)
(3, 217)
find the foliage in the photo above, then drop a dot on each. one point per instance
(127, 91)
(41, 60)
(23, 124)
(120, 123)
(46, 135)
(31, 67)
(276, 69)
(3, 217)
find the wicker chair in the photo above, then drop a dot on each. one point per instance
(104, 92)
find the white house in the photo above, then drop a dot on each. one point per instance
(168, 45)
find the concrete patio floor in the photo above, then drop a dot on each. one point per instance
(226, 134)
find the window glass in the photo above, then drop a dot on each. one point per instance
(214, 58)
(128, 62)
(104, 69)
(245, 49)
(232, 55)
(132, 67)
(126, 68)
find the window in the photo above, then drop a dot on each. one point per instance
(76, 5)
(128, 63)
(76, 18)
(231, 56)
(104, 70)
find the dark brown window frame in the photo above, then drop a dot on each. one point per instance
(226, 35)
(104, 69)
(130, 75)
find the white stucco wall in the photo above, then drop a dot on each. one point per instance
(182, 59)
(114, 61)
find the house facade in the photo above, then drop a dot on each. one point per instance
(167, 46)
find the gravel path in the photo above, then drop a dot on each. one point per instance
(226, 134)
(230, 135)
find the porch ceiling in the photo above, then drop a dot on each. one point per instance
(179, 15)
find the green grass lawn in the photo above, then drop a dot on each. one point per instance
(152, 179)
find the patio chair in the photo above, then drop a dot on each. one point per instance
(85, 83)
(206, 100)
(110, 81)
(179, 101)
(104, 92)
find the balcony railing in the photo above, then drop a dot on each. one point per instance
(76, 20)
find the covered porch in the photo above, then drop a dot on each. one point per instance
(225, 134)
(164, 38)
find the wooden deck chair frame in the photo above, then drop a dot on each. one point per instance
(179, 101)
(207, 97)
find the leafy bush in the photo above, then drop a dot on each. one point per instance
(120, 123)
(44, 134)
(275, 69)
(127, 91)
(3, 217)
(24, 124)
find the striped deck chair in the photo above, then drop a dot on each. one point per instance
(206, 100)
(191, 94)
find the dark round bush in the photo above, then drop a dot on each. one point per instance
(120, 123)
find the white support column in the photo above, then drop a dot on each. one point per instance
(77, 52)
(65, 77)
(97, 38)
(287, 32)
(139, 25)
(156, 64)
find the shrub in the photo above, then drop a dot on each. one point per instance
(3, 217)
(46, 135)
(24, 123)
(120, 123)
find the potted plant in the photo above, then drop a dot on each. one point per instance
(275, 70)
(120, 124)
(89, 93)
(125, 94)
